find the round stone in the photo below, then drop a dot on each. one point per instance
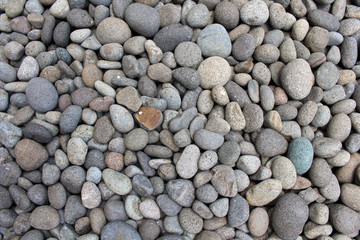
(258, 222)
(118, 182)
(181, 191)
(243, 47)
(320, 172)
(30, 155)
(136, 139)
(41, 95)
(190, 221)
(301, 153)
(113, 30)
(214, 71)
(270, 143)
(188, 54)
(297, 79)
(264, 192)
(254, 13)
(289, 216)
(119, 230)
(76, 151)
(284, 170)
(142, 19)
(214, 40)
(44, 218)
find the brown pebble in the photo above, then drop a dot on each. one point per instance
(115, 161)
(91, 74)
(280, 96)
(149, 117)
(82, 225)
(102, 104)
(64, 102)
(30, 155)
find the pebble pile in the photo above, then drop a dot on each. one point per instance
(179, 120)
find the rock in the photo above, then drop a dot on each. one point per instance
(41, 95)
(269, 143)
(213, 40)
(167, 205)
(254, 13)
(29, 69)
(44, 218)
(320, 172)
(225, 186)
(264, 192)
(208, 140)
(339, 127)
(258, 222)
(214, 71)
(7, 72)
(349, 196)
(198, 16)
(344, 219)
(136, 13)
(254, 117)
(348, 52)
(37, 133)
(187, 164)
(227, 14)
(243, 47)
(9, 134)
(136, 139)
(149, 209)
(60, 9)
(73, 177)
(117, 182)
(289, 216)
(112, 30)
(26, 148)
(188, 54)
(129, 97)
(188, 77)
(70, 118)
(76, 151)
(90, 195)
(291, 84)
(326, 147)
(324, 20)
(121, 118)
(181, 191)
(301, 153)
(190, 221)
(170, 36)
(229, 153)
(119, 230)
(284, 170)
(238, 211)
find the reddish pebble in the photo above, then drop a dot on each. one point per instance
(64, 102)
(102, 104)
(280, 96)
(115, 161)
(149, 118)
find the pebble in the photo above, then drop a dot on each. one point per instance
(301, 153)
(269, 143)
(9, 134)
(187, 164)
(213, 40)
(289, 216)
(339, 127)
(121, 118)
(243, 47)
(170, 36)
(301, 69)
(149, 209)
(25, 147)
(41, 95)
(285, 171)
(254, 13)
(344, 219)
(188, 54)
(326, 147)
(44, 218)
(349, 196)
(198, 16)
(226, 14)
(238, 211)
(181, 191)
(119, 229)
(264, 192)
(320, 172)
(70, 118)
(116, 181)
(224, 186)
(107, 27)
(202, 139)
(135, 15)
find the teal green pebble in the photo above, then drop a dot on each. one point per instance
(301, 154)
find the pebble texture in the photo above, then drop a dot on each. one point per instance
(206, 119)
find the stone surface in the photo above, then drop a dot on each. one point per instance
(41, 95)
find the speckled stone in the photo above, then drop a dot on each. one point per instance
(301, 153)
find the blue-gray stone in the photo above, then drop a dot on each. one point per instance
(64, 55)
(289, 216)
(4, 100)
(143, 19)
(70, 118)
(214, 41)
(9, 134)
(238, 211)
(170, 36)
(7, 72)
(301, 154)
(41, 95)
